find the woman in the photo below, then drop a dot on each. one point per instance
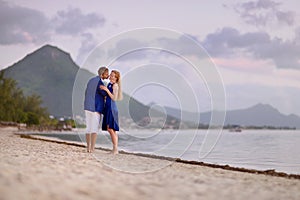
(111, 119)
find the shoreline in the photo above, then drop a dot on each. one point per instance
(36, 169)
(269, 172)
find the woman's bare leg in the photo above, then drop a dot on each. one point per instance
(114, 139)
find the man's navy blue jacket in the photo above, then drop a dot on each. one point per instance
(94, 96)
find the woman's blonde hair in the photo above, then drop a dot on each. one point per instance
(118, 77)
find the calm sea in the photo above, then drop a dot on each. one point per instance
(252, 149)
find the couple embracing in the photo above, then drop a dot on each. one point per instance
(100, 105)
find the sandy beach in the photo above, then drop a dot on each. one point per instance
(35, 169)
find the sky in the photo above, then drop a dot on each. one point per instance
(254, 46)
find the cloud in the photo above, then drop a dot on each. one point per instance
(184, 45)
(260, 4)
(216, 43)
(74, 22)
(22, 25)
(285, 54)
(286, 17)
(129, 49)
(88, 43)
(229, 42)
(264, 12)
(226, 43)
(156, 48)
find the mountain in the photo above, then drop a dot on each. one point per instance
(51, 73)
(262, 115)
(257, 115)
(48, 72)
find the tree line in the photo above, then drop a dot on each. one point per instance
(16, 107)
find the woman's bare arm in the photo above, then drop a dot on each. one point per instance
(114, 95)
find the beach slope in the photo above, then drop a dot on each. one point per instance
(35, 169)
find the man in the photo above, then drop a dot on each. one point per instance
(94, 107)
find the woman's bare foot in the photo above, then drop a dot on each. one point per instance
(115, 152)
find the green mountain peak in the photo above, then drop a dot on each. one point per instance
(48, 72)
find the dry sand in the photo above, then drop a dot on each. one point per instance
(35, 169)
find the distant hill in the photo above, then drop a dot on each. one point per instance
(260, 115)
(263, 114)
(257, 115)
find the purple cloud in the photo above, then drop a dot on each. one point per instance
(74, 22)
(228, 42)
(88, 43)
(260, 4)
(22, 25)
(263, 12)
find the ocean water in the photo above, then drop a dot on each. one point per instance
(252, 149)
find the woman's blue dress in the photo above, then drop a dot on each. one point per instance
(110, 118)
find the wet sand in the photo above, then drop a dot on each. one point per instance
(36, 169)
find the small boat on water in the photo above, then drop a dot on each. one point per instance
(235, 129)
